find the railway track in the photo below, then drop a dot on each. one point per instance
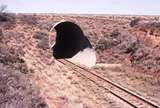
(129, 97)
(132, 99)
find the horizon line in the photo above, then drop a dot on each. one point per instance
(91, 14)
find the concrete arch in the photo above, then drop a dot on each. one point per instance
(70, 41)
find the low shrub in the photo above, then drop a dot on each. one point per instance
(134, 22)
(29, 19)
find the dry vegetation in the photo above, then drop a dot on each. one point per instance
(131, 41)
(16, 90)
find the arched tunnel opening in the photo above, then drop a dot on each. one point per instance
(71, 43)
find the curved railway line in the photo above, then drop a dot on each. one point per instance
(127, 96)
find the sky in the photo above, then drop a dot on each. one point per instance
(129, 7)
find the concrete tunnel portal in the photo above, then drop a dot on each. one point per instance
(72, 44)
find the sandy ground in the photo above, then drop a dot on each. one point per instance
(60, 87)
(63, 87)
(142, 84)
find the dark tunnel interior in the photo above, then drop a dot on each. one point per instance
(70, 39)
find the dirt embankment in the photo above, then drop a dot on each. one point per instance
(16, 90)
(112, 36)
